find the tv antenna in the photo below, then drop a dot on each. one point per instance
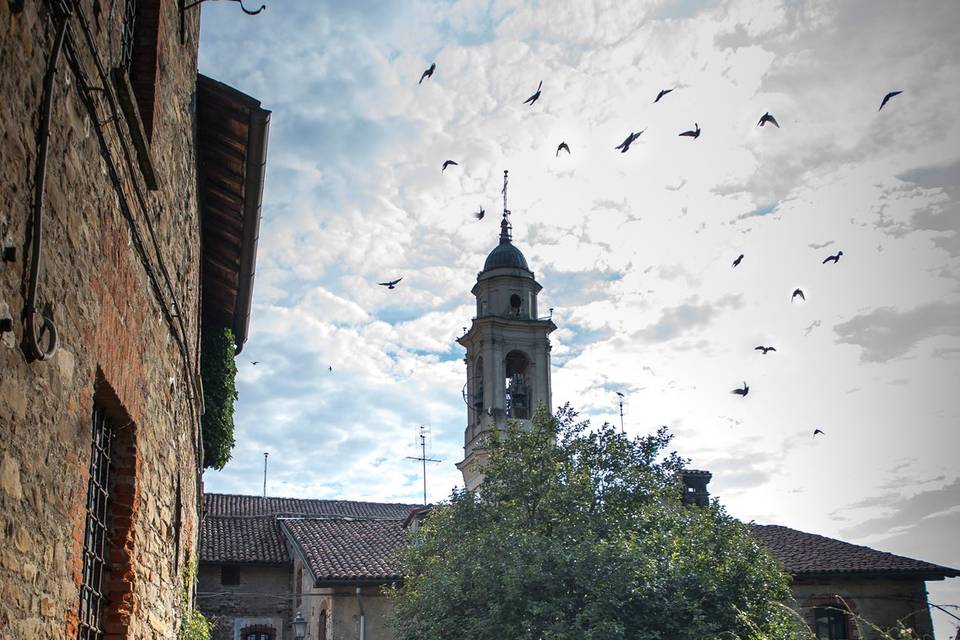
(423, 459)
(266, 454)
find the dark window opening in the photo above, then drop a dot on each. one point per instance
(517, 388)
(96, 538)
(139, 43)
(229, 575)
(478, 389)
(515, 304)
(298, 587)
(830, 623)
(258, 632)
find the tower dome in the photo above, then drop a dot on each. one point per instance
(505, 254)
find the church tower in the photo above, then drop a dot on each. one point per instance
(508, 349)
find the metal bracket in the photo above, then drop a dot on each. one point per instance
(184, 5)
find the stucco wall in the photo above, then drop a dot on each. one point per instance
(264, 596)
(113, 318)
(881, 601)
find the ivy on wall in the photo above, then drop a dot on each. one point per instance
(193, 624)
(218, 370)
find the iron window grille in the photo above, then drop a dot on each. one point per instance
(96, 541)
(127, 34)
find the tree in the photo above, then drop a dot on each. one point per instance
(580, 533)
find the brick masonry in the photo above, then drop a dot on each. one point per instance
(119, 340)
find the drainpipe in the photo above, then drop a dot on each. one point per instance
(363, 618)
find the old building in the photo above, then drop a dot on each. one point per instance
(129, 208)
(265, 559)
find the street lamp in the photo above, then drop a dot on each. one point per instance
(299, 627)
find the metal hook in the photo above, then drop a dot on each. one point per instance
(184, 5)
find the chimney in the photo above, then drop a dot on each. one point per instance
(695, 487)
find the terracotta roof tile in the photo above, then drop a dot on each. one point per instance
(342, 550)
(221, 504)
(807, 553)
(236, 540)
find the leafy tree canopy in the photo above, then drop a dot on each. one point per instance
(582, 533)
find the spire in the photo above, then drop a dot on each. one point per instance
(505, 227)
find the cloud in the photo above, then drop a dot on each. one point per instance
(903, 513)
(887, 333)
(687, 317)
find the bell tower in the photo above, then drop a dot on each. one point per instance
(508, 349)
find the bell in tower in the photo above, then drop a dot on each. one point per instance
(508, 350)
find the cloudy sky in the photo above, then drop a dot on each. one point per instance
(633, 250)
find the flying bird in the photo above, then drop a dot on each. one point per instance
(887, 98)
(535, 96)
(767, 117)
(736, 263)
(479, 214)
(742, 392)
(428, 73)
(625, 145)
(818, 431)
(833, 259)
(764, 349)
(563, 147)
(254, 362)
(798, 292)
(392, 284)
(619, 394)
(662, 93)
(693, 133)
(330, 368)
(447, 163)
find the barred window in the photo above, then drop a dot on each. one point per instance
(139, 45)
(96, 541)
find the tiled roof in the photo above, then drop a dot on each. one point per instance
(233, 539)
(221, 504)
(809, 554)
(341, 550)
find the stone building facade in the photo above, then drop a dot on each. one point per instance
(102, 304)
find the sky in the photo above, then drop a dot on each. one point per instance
(634, 250)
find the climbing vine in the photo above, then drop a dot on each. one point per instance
(218, 370)
(193, 624)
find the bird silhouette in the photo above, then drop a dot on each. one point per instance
(391, 284)
(662, 93)
(629, 140)
(818, 431)
(254, 362)
(767, 117)
(563, 147)
(447, 163)
(479, 214)
(736, 263)
(330, 368)
(742, 392)
(535, 96)
(764, 349)
(428, 73)
(887, 98)
(693, 133)
(798, 292)
(833, 259)
(619, 394)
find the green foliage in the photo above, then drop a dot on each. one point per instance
(193, 624)
(582, 534)
(218, 370)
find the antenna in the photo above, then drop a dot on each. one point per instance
(422, 458)
(506, 211)
(620, 398)
(265, 455)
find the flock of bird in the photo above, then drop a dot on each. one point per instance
(623, 147)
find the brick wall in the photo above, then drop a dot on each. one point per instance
(120, 273)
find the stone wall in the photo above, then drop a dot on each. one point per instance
(263, 595)
(880, 601)
(120, 279)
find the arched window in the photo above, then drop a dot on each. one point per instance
(517, 385)
(478, 388)
(323, 625)
(258, 632)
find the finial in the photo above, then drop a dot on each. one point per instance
(505, 227)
